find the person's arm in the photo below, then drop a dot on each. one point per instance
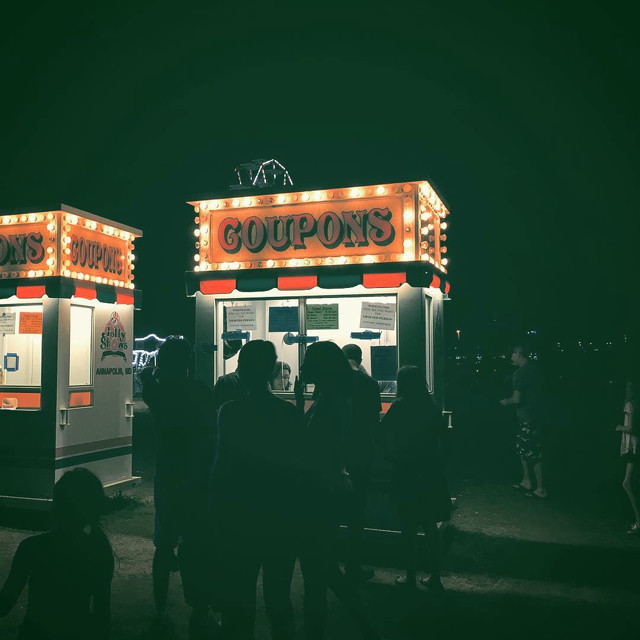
(628, 426)
(513, 400)
(299, 394)
(17, 578)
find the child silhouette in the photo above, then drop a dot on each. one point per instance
(69, 569)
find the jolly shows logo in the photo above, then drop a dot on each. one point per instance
(114, 338)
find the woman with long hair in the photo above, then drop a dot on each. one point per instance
(419, 485)
(68, 569)
(326, 488)
(629, 449)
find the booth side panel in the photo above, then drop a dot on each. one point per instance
(438, 349)
(99, 436)
(27, 437)
(411, 326)
(205, 339)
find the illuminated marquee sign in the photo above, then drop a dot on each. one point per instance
(381, 223)
(66, 243)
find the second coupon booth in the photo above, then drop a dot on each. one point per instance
(364, 265)
(66, 335)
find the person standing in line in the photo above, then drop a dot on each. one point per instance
(253, 484)
(419, 486)
(69, 569)
(365, 418)
(526, 399)
(326, 487)
(181, 408)
(629, 450)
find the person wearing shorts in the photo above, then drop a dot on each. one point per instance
(526, 399)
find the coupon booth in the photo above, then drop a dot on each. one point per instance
(66, 330)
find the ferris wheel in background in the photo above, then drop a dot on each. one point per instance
(259, 174)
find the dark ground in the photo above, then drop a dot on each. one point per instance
(515, 567)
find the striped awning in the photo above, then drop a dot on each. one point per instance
(326, 277)
(60, 287)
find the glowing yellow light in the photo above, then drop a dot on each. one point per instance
(355, 193)
(341, 260)
(51, 262)
(270, 263)
(430, 227)
(49, 250)
(67, 273)
(369, 259)
(407, 256)
(408, 215)
(204, 230)
(445, 261)
(31, 274)
(132, 286)
(425, 216)
(293, 262)
(197, 257)
(80, 276)
(6, 219)
(125, 235)
(51, 226)
(424, 256)
(32, 217)
(132, 256)
(236, 202)
(224, 265)
(424, 230)
(196, 233)
(203, 205)
(407, 244)
(281, 199)
(305, 196)
(196, 268)
(318, 195)
(235, 265)
(443, 225)
(248, 202)
(23, 218)
(381, 191)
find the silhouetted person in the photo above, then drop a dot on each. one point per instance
(629, 450)
(327, 486)
(526, 399)
(365, 418)
(182, 408)
(419, 486)
(281, 377)
(69, 569)
(252, 498)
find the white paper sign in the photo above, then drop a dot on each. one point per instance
(7, 323)
(377, 315)
(242, 318)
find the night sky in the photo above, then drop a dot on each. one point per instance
(524, 116)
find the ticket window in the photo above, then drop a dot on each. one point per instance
(276, 320)
(368, 321)
(21, 345)
(80, 346)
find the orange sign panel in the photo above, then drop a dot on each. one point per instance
(30, 322)
(97, 254)
(23, 247)
(313, 230)
(397, 222)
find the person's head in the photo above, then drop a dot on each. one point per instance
(411, 383)
(353, 353)
(519, 355)
(174, 358)
(326, 366)
(256, 361)
(281, 377)
(78, 500)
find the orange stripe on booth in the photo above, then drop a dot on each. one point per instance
(31, 291)
(435, 282)
(380, 280)
(80, 398)
(20, 400)
(85, 292)
(447, 287)
(291, 283)
(124, 298)
(217, 286)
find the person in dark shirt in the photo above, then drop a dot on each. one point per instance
(419, 486)
(253, 505)
(526, 399)
(227, 387)
(365, 418)
(182, 409)
(69, 569)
